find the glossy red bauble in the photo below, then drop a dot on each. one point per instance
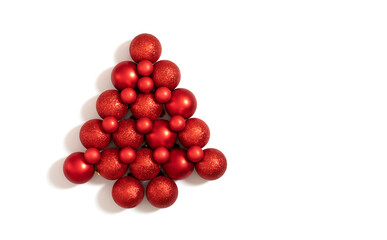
(195, 133)
(110, 124)
(161, 135)
(161, 155)
(144, 167)
(109, 104)
(124, 75)
(195, 153)
(177, 123)
(163, 94)
(145, 67)
(178, 167)
(127, 135)
(127, 192)
(145, 84)
(93, 135)
(145, 47)
(128, 95)
(127, 155)
(182, 102)
(166, 74)
(161, 192)
(92, 155)
(110, 166)
(213, 165)
(146, 106)
(144, 125)
(76, 170)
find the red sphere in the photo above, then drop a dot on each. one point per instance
(92, 155)
(76, 169)
(124, 75)
(163, 94)
(110, 166)
(161, 155)
(161, 135)
(127, 155)
(166, 74)
(145, 47)
(127, 192)
(92, 135)
(144, 125)
(161, 192)
(144, 167)
(182, 102)
(146, 106)
(145, 84)
(178, 167)
(145, 67)
(213, 165)
(177, 123)
(195, 133)
(195, 154)
(127, 135)
(110, 124)
(128, 95)
(109, 104)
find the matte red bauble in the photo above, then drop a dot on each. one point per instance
(166, 74)
(110, 166)
(124, 75)
(145, 47)
(127, 135)
(161, 192)
(145, 67)
(109, 104)
(128, 95)
(213, 165)
(195, 133)
(161, 135)
(127, 155)
(127, 192)
(92, 135)
(92, 155)
(178, 167)
(144, 167)
(76, 169)
(182, 102)
(146, 106)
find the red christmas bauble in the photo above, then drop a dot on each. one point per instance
(166, 74)
(163, 94)
(146, 106)
(195, 133)
(110, 124)
(144, 167)
(213, 165)
(144, 125)
(145, 47)
(195, 153)
(145, 84)
(92, 155)
(177, 123)
(128, 95)
(127, 192)
(161, 135)
(161, 155)
(109, 104)
(178, 167)
(127, 155)
(124, 75)
(145, 67)
(161, 192)
(92, 135)
(76, 170)
(127, 135)
(110, 166)
(182, 102)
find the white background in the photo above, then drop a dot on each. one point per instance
(294, 93)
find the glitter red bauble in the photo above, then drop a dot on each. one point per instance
(178, 167)
(195, 153)
(145, 84)
(110, 166)
(161, 135)
(127, 192)
(92, 135)
(127, 135)
(195, 133)
(110, 124)
(127, 155)
(144, 125)
(177, 123)
(161, 192)
(213, 165)
(76, 170)
(109, 104)
(146, 106)
(145, 47)
(144, 167)
(166, 74)
(182, 102)
(163, 94)
(128, 95)
(124, 75)
(161, 155)
(92, 155)
(145, 67)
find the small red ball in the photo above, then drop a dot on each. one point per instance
(195, 133)
(127, 135)
(127, 155)
(110, 124)
(93, 135)
(109, 104)
(92, 155)
(161, 155)
(166, 74)
(178, 167)
(145, 84)
(124, 75)
(144, 125)
(213, 165)
(127, 192)
(145, 47)
(128, 95)
(195, 153)
(177, 123)
(76, 170)
(145, 67)
(182, 102)
(110, 166)
(146, 106)
(161, 192)
(161, 135)
(144, 167)
(163, 94)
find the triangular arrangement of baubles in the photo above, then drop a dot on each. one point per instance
(158, 144)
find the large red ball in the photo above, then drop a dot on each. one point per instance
(213, 165)
(195, 133)
(146, 106)
(76, 169)
(145, 47)
(124, 75)
(182, 102)
(110, 166)
(161, 192)
(127, 192)
(178, 167)
(161, 135)
(144, 167)
(166, 74)
(127, 135)
(93, 135)
(109, 104)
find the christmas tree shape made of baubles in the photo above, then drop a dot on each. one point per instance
(152, 145)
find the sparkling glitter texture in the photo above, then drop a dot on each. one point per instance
(166, 74)
(146, 106)
(161, 192)
(195, 133)
(127, 135)
(109, 104)
(145, 47)
(128, 192)
(144, 167)
(109, 166)
(213, 165)
(92, 135)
